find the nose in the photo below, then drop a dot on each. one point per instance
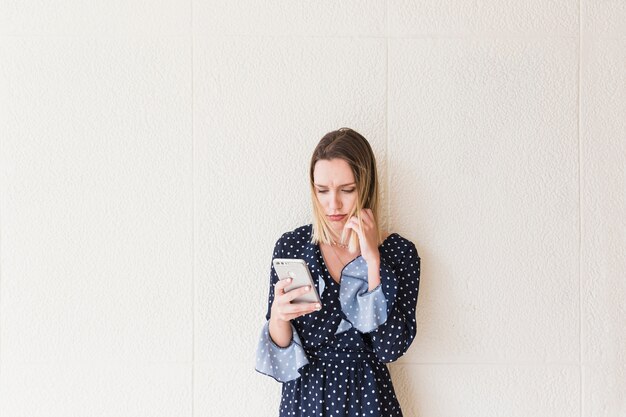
(335, 201)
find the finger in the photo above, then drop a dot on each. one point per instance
(367, 218)
(302, 312)
(366, 214)
(352, 221)
(290, 295)
(279, 287)
(301, 308)
(294, 316)
(281, 284)
(306, 312)
(353, 224)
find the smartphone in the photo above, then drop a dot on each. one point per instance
(299, 271)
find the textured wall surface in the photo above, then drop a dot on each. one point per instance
(151, 153)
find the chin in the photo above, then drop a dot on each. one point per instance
(339, 228)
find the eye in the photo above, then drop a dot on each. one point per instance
(345, 191)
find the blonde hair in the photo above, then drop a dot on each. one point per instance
(353, 148)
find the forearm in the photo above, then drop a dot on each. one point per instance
(392, 339)
(280, 332)
(373, 275)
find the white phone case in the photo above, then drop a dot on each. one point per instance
(299, 271)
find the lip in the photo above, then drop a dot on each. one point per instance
(337, 218)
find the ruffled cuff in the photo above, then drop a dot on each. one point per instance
(281, 363)
(363, 309)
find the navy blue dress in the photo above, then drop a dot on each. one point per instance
(335, 363)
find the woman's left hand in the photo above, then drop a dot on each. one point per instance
(368, 235)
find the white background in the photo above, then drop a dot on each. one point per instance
(151, 153)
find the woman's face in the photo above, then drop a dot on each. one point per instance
(335, 190)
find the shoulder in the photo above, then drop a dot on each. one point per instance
(299, 236)
(401, 255)
(301, 232)
(399, 246)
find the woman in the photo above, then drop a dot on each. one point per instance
(331, 358)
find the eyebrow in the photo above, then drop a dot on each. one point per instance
(342, 185)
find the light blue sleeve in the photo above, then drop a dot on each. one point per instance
(281, 363)
(363, 309)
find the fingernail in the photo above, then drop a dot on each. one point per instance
(317, 306)
(308, 287)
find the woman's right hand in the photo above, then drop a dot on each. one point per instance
(282, 307)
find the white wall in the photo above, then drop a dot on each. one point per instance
(147, 148)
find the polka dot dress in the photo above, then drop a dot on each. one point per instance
(340, 370)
